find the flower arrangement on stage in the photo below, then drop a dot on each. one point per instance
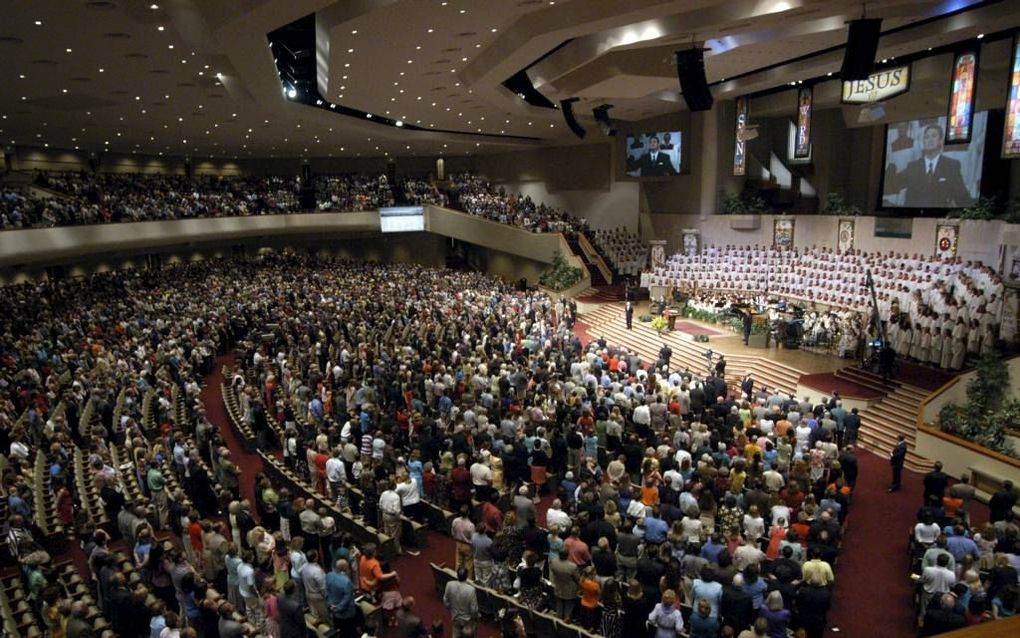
(659, 323)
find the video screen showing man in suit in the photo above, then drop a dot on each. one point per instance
(653, 155)
(927, 174)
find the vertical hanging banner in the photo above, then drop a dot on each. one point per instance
(739, 150)
(961, 98)
(845, 236)
(947, 237)
(782, 234)
(802, 144)
(1011, 131)
(658, 251)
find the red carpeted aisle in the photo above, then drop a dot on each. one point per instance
(873, 590)
(415, 575)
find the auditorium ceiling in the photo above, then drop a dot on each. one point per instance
(201, 77)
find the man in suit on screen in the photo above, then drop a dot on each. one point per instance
(655, 162)
(934, 180)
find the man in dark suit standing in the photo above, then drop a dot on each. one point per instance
(665, 354)
(655, 163)
(933, 180)
(629, 314)
(896, 460)
(292, 616)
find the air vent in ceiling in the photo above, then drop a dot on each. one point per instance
(159, 72)
(185, 85)
(467, 34)
(136, 56)
(82, 80)
(117, 35)
(439, 88)
(119, 92)
(528, 3)
(103, 5)
(441, 61)
(451, 50)
(10, 39)
(45, 62)
(431, 73)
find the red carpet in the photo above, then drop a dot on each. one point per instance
(873, 590)
(695, 329)
(826, 382)
(925, 377)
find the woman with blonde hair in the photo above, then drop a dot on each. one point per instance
(777, 617)
(666, 618)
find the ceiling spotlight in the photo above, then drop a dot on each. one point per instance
(400, 122)
(68, 50)
(368, 116)
(292, 93)
(354, 32)
(981, 35)
(160, 28)
(154, 6)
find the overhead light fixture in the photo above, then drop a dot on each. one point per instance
(154, 6)
(399, 122)
(160, 28)
(980, 35)
(292, 93)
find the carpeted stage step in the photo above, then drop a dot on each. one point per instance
(894, 415)
(608, 321)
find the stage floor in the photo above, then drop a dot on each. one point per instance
(728, 342)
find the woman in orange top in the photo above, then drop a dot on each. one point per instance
(370, 573)
(776, 534)
(650, 493)
(589, 591)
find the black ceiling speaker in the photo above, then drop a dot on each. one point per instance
(690, 69)
(568, 114)
(601, 114)
(861, 47)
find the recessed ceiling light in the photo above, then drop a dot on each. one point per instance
(350, 50)
(154, 6)
(981, 35)
(347, 65)
(354, 32)
(102, 70)
(169, 46)
(68, 49)
(160, 28)
(38, 23)
(410, 61)
(463, 10)
(431, 30)
(22, 77)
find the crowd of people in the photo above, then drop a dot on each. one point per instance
(965, 574)
(624, 250)
(935, 312)
(476, 195)
(353, 193)
(676, 500)
(422, 191)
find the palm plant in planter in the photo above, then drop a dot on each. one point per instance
(560, 275)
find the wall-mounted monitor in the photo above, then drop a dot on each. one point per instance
(922, 172)
(654, 154)
(402, 219)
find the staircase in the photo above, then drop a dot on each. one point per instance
(608, 321)
(596, 275)
(894, 415)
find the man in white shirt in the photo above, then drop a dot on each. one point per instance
(556, 516)
(335, 471)
(390, 508)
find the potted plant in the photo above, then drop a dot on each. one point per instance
(560, 275)
(837, 205)
(659, 323)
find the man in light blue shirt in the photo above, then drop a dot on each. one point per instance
(340, 597)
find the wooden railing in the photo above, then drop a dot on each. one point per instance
(594, 257)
